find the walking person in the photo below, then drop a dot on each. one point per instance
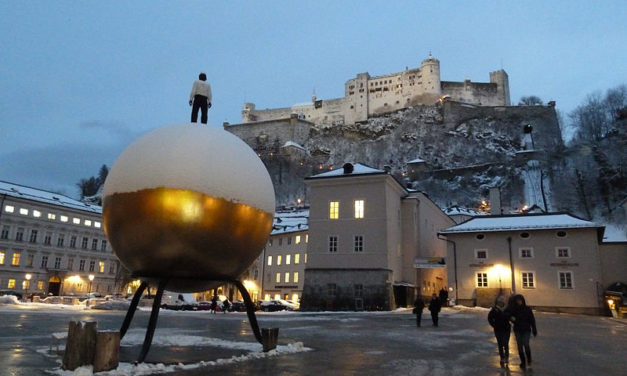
(524, 325)
(200, 98)
(214, 304)
(444, 297)
(435, 305)
(226, 305)
(499, 321)
(419, 305)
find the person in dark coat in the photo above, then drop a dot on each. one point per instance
(419, 305)
(435, 305)
(444, 296)
(214, 304)
(226, 305)
(524, 325)
(499, 321)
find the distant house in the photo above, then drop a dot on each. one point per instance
(558, 261)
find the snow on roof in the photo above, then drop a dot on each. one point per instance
(290, 221)
(458, 210)
(417, 160)
(293, 144)
(40, 195)
(358, 169)
(520, 222)
(614, 234)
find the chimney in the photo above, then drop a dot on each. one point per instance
(387, 169)
(495, 201)
(348, 168)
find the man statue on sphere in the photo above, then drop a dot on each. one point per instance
(200, 98)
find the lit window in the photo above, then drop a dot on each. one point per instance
(482, 279)
(359, 208)
(563, 252)
(295, 277)
(36, 213)
(64, 218)
(76, 221)
(278, 260)
(528, 280)
(297, 241)
(359, 243)
(297, 258)
(566, 280)
(334, 210)
(526, 252)
(295, 298)
(307, 238)
(333, 244)
(1, 258)
(287, 277)
(278, 277)
(305, 258)
(52, 216)
(269, 260)
(266, 297)
(9, 209)
(481, 254)
(23, 211)
(16, 259)
(288, 259)
(97, 224)
(25, 284)
(277, 296)
(87, 222)
(101, 266)
(11, 284)
(40, 285)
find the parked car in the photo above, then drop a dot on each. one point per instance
(238, 306)
(114, 297)
(178, 301)
(276, 305)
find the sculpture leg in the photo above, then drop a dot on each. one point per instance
(250, 310)
(152, 324)
(132, 308)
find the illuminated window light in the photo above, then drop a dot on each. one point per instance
(36, 213)
(52, 216)
(76, 221)
(23, 211)
(87, 222)
(64, 218)
(97, 224)
(9, 209)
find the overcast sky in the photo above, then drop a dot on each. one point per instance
(80, 80)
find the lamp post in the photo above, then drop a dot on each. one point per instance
(91, 279)
(28, 276)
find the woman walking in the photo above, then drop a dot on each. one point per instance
(435, 306)
(419, 305)
(524, 325)
(499, 321)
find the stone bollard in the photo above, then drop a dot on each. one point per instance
(269, 338)
(107, 355)
(81, 345)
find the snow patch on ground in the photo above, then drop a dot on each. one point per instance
(9, 299)
(119, 305)
(169, 339)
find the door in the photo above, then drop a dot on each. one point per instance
(54, 285)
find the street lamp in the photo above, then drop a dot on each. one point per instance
(500, 271)
(28, 276)
(91, 279)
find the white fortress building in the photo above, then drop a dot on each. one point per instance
(366, 96)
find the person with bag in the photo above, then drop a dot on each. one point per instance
(435, 306)
(524, 325)
(419, 305)
(200, 98)
(499, 321)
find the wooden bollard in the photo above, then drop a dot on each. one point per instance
(269, 338)
(81, 345)
(107, 355)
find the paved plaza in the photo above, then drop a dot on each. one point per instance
(358, 343)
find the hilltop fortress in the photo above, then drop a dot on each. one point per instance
(366, 96)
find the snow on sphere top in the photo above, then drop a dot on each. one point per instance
(194, 157)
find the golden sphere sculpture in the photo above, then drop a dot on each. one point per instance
(188, 203)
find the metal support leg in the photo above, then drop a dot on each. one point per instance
(132, 308)
(250, 310)
(152, 324)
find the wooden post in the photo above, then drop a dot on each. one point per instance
(81, 345)
(107, 355)
(269, 336)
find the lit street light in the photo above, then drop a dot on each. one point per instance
(91, 279)
(28, 276)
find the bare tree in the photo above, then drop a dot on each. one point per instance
(530, 100)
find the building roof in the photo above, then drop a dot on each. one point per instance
(358, 169)
(459, 210)
(614, 234)
(290, 221)
(520, 222)
(40, 195)
(417, 160)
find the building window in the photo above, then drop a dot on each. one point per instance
(87, 222)
(280, 241)
(44, 262)
(64, 218)
(306, 238)
(57, 262)
(9, 209)
(563, 252)
(269, 260)
(295, 277)
(81, 265)
(482, 279)
(101, 267)
(359, 243)
(11, 284)
(112, 268)
(1, 258)
(76, 221)
(97, 224)
(481, 254)
(30, 258)
(288, 259)
(5, 232)
(52, 216)
(528, 280)
(94, 244)
(566, 280)
(359, 290)
(48, 238)
(561, 234)
(332, 243)
(85, 242)
(36, 213)
(334, 210)
(16, 259)
(359, 209)
(23, 211)
(278, 278)
(287, 277)
(526, 252)
(480, 236)
(270, 242)
(525, 235)
(19, 235)
(73, 241)
(92, 265)
(305, 258)
(70, 263)
(40, 285)
(33, 236)
(60, 240)
(297, 240)
(331, 289)
(25, 284)
(289, 240)
(297, 258)
(279, 259)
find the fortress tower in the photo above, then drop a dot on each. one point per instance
(501, 80)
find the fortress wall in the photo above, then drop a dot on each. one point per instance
(484, 94)
(273, 133)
